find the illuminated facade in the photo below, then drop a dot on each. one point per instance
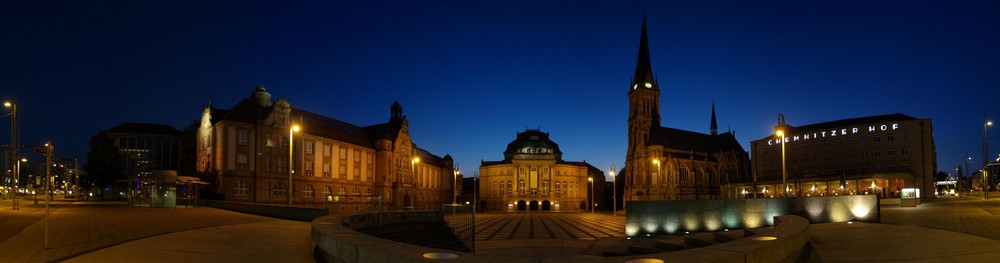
(533, 177)
(869, 155)
(247, 146)
(669, 164)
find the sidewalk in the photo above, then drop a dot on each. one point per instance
(76, 228)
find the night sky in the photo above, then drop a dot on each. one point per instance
(470, 74)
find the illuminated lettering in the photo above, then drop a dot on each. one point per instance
(833, 133)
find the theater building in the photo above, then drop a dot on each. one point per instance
(246, 147)
(869, 155)
(664, 163)
(533, 177)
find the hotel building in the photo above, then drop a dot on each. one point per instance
(358, 168)
(533, 177)
(869, 155)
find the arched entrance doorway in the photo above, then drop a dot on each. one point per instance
(521, 205)
(534, 205)
(583, 206)
(406, 201)
(546, 205)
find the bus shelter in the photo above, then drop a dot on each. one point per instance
(163, 188)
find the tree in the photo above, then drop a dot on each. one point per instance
(187, 161)
(941, 176)
(104, 164)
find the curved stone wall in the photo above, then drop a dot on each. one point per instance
(335, 240)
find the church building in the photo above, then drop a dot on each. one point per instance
(664, 163)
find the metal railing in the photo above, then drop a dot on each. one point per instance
(462, 221)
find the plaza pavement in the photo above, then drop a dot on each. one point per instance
(942, 230)
(113, 232)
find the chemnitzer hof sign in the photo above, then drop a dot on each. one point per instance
(836, 132)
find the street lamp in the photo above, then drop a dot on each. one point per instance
(291, 165)
(781, 133)
(614, 192)
(475, 191)
(454, 188)
(413, 170)
(966, 171)
(986, 148)
(14, 150)
(659, 177)
(784, 179)
(591, 180)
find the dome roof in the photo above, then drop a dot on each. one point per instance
(532, 144)
(261, 96)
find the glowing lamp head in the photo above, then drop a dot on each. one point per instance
(590, 179)
(655, 161)
(295, 128)
(416, 160)
(780, 133)
(989, 123)
(7, 104)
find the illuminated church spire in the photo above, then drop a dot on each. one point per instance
(643, 68)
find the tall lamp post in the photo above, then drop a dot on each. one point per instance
(986, 149)
(413, 168)
(291, 164)
(475, 192)
(659, 176)
(454, 187)
(966, 171)
(413, 171)
(614, 192)
(592, 205)
(781, 133)
(14, 150)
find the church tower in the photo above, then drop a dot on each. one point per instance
(643, 118)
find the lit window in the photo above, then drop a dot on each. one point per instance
(308, 168)
(308, 192)
(242, 136)
(241, 162)
(241, 188)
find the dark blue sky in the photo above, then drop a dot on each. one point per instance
(470, 74)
